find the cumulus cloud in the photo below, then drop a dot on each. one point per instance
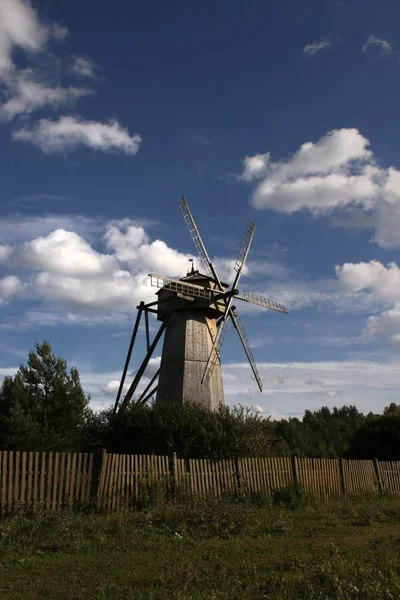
(384, 46)
(63, 268)
(68, 133)
(311, 49)
(27, 93)
(382, 284)
(338, 171)
(9, 287)
(111, 388)
(5, 253)
(120, 290)
(65, 252)
(132, 245)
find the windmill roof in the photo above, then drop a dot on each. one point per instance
(197, 276)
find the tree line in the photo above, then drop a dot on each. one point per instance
(44, 407)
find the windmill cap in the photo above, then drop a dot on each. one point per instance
(197, 276)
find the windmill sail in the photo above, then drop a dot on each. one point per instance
(261, 301)
(243, 338)
(240, 261)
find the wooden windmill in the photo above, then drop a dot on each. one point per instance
(195, 312)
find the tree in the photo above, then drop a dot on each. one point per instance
(323, 433)
(378, 438)
(43, 406)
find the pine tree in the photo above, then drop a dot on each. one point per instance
(43, 406)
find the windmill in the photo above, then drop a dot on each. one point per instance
(195, 312)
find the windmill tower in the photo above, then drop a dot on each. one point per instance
(195, 312)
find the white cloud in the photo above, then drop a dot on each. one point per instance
(118, 291)
(83, 66)
(66, 253)
(20, 28)
(27, 93)
(5, 253)
(383, 45)
(152, 367)
(337, 172)
(311, 49)
(74, 275)
(110, 389)
(68, 133)
(255, 166)
(287, 390)
(382, 284)
(132, 246)
(9, 287)
(25, 90)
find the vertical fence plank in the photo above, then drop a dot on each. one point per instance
(42, 479)
(4, 469)
(84, 478)
(107, 481)
(16, 477)
(112, 482)
(72, 480)
(36, 474)
(56, 479)
(89, 478)
(22, 498)
(10, 477)
(67, 478)
(49, 481)
(30, 478)
(61, 484)
(78, 485)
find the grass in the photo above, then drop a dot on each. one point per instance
(291, 549)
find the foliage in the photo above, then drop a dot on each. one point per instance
(189, 430)
(379, 437)
(323, 433)
(44, 405)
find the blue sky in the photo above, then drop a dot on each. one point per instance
(284, 113)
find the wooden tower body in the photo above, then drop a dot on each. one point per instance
(189, 335)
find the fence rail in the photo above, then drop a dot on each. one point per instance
(54, 480)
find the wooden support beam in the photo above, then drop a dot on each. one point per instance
(128, 356)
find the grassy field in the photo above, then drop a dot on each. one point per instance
(338, 550)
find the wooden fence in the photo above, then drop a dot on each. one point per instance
(115, 481)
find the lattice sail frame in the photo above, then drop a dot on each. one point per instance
(180, 287)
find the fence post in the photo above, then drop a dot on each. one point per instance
(295, 471)
(342, 477)
(378, 475)
(237, 475)
(173, 474)
(97, 476)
